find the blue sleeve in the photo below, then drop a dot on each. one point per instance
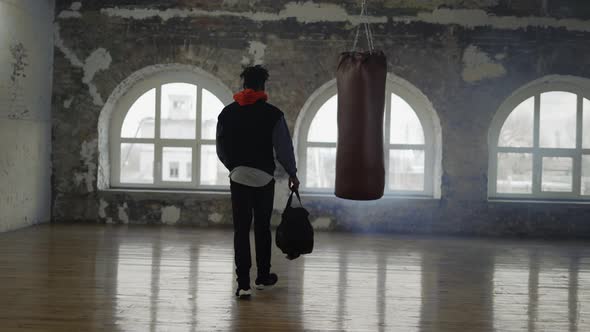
(283, 145)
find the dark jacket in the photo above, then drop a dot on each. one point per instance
(249, 135)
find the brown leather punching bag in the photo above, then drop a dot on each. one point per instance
(360, 171)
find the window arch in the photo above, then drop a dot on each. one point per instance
(162, 131)
(540, 142)
(412, 141)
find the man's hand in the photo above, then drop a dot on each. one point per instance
(294, 183)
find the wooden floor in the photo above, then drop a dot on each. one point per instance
(98, 278)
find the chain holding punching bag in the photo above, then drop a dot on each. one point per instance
(361, 78)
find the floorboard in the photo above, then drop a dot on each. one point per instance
(141, 278)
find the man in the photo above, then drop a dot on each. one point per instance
(248, 132)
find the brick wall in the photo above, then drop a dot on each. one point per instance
(100, 43)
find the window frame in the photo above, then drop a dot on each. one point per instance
(425, 114)
(534, 90)
(156, 81)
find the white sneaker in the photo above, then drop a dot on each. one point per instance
(243, 293)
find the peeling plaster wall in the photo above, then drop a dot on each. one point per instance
(478, 65)
(467, 57)
(26, 61)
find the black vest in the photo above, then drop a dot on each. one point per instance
(247, 135)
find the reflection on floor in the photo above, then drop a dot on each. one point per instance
(98, 278)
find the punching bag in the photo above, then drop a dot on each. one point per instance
(360, 170)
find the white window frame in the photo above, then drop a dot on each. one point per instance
(575, 85)
(424, 111)
(125, 102)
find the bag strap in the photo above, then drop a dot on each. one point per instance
(290, 201)
(364, 21)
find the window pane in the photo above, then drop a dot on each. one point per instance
(405, 125)
(139, 121)
(177, 164)
(586, 129)
(406, 170)
(517, 131)
(557, 174)
(137, 163)
(321, 167)
(515, 173)
(585, 175)
(558, 120)
(179, 111)
(213, 173)
(324, 127)
(212, 106)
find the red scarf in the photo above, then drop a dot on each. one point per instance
(249, 97)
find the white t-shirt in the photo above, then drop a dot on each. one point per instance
(251, 177)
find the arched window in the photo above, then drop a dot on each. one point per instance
(540, 142)
(162, 133)
(412, 141)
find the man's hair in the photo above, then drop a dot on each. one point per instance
(254, 77)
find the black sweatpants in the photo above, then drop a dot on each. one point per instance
(247, 202)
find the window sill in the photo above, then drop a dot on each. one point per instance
(221, 192)
(538, 201)
(385, 197)
(226, 192)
